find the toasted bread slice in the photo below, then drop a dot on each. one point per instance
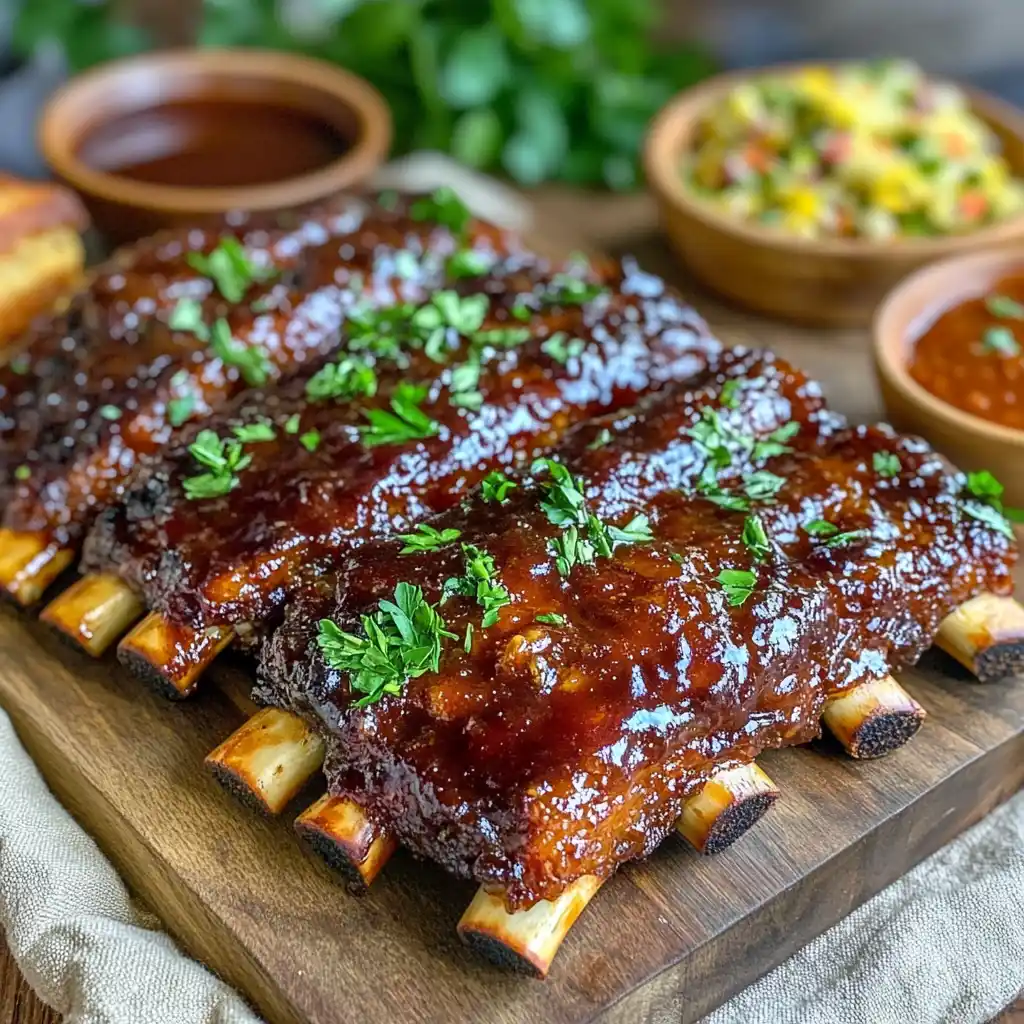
(41, 252)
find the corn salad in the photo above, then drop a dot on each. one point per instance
(866, 150)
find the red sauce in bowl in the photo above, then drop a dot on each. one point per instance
(972, 355)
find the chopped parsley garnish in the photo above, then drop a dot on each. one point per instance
(775, 444)
(463, 390)
(467, 263)
(187, 316)
(426, 538)
(1001, 340)
(20, 365)
(821, 529)
(110, 412)
(886, 464)
(402, 641)
(310, 440)
(521, 311)
(569, 290)
(755, 538)
(479, 582)
(388, 199)
(444, 207)
(467, 643)
(738, 584)
(406, 265)
(985, 503)
(253, 433)
(730, 393)
(604, 435)
(761, 485)
(564, 503)
(179, 409)
(503, 337)
(251, 361)
(551, 619)
(349, 377)
(229, 268)
(495, 486)
(561, 347)
(1004, 307)
(291, 425)
(22, 472)
(406, 421)
(223, 458)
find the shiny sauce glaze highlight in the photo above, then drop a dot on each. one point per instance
(63, 459)
(553, 751)
(294, 513)
(972, 355)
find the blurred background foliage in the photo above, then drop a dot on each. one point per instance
(538, 89)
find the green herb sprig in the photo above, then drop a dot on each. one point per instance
(479, 582)
(405, 422)
(224, 459)
(426, 538)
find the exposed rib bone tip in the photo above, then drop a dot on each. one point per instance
(268, 759)
(526, 940)
(29, 563)
(339, 832)
(727, 805)
(93, 612)
(986, 635)
(874, 718)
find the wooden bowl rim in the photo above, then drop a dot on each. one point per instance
(60, 130)
(917, 300)
(670, 131)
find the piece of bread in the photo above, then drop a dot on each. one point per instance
(41, 251)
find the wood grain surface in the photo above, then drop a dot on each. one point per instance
(675, 932)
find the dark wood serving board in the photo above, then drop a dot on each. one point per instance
(676, 934)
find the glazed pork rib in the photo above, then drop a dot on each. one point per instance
(526, 354)
(169, 330)
(547, 743)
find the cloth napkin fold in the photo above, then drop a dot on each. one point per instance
(944, 945)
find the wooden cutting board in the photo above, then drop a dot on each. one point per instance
(676, 934)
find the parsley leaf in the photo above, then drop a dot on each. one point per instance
(463, 390)
(229, 268)
(886, 464)
(291, 425)
(564, 499)
(467, 263)
(551, 619)
(762, 485)
(479, 582)
(187, 316)
(22, 472)
(775, 444)
(444, 207)
(604, 435)
(755, 538)
(636, 531)
(310, 440)
(20, 365)
(569, 290)
(406, 421)
(402, 641)
(349, 377)
(1004, 307)
(1001, 340)
(833, 537)
(252, 433)
(223, 459)
(738, 584)
(503, 337)
(110, 412)
(179, 409)
(983, 484)
(251, 361)
(730, 393)
(495, 487)
(570, 550)
(988, 508)
(562, 348)
(426, 538)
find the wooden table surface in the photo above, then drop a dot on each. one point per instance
(617, 224)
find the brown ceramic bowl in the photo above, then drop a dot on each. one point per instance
(102, 127)
(971, 442)
(828, 281)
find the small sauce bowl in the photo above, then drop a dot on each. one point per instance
(971, 441)
(187, 136)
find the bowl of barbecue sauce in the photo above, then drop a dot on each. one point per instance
(188, 136)
(949, 354)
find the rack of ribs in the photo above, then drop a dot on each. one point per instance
(169, 330)
(617, 631)
(389, 430)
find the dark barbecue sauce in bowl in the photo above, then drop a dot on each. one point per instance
(972, 355)
(213, 144)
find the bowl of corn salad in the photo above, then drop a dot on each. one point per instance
(807, 191)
